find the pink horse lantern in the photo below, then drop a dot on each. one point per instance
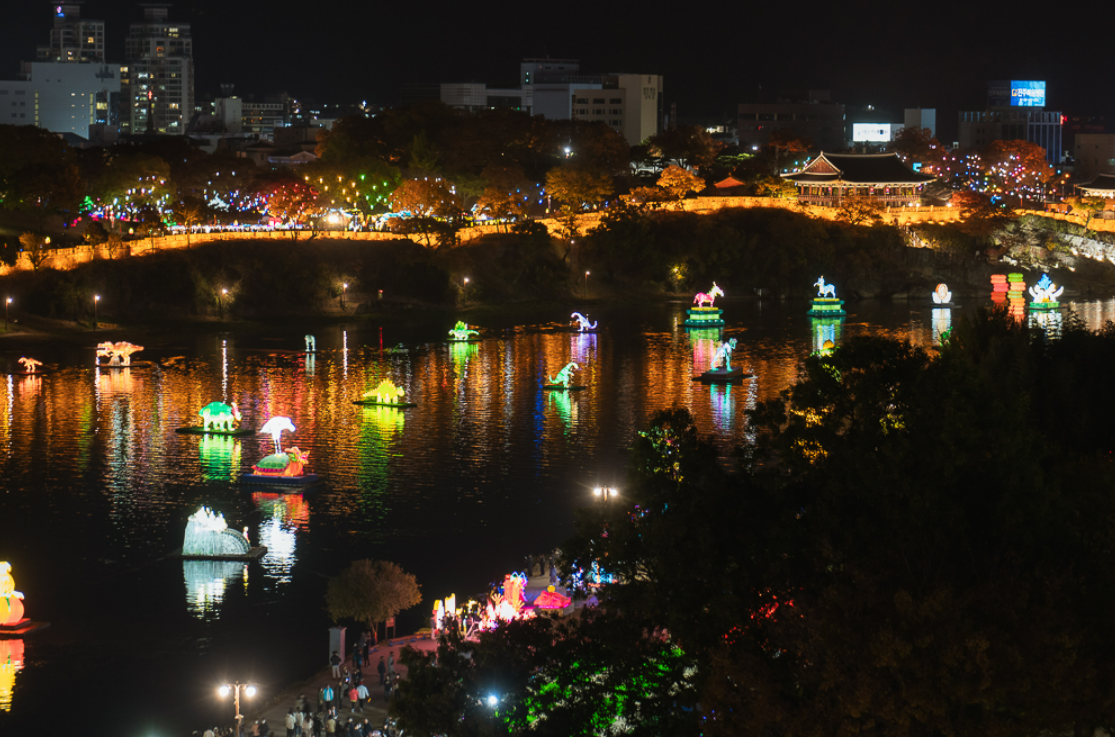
(709, 297)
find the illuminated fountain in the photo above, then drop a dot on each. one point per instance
(119, 355)
(825, 304)
(209, 537)
(385, 395)
(583, 325)
(706, 314)
(720, 367)
(462, 332)
(564, 379)
(1045, 294)
(942, 296)
(218, 418)
(283, 467)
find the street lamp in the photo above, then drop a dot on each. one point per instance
(586, 283)
(7, 302)
(605, 492)
(248, 689)
(96, 299)
(221, 302)
(344, 291)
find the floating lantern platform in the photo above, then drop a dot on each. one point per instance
(21, 628)
(1045, 294)
(12, 621)
(197, 430)
(721, 376)
(704, 317)
(563, 387)
(376, 403)
(827, 307)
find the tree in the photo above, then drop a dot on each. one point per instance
(686, 146)
(38, 173)
(917, 145)
(550, 677)
(190, 211)
(36, 247)
(678, 182)
(856, 210)
(578, 187)
(978, 213)
(291, 202)
(371, 591)
(1013, 171)
(430, 206)
(786, 141)
(507, 194)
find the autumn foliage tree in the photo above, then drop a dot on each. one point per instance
(371, 592)
(1014, 171)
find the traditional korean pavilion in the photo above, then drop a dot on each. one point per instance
(829, 178)
(1102, 186)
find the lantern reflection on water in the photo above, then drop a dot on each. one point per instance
(942, 324)
(826, 333)
(11, 662)
(220, 457)
(206, 582)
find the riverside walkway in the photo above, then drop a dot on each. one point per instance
(274, 709)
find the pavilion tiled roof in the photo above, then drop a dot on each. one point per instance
(862, 169)
(1104, 182)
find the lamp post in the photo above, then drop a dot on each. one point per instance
(7, 302)
(344, 291)
(607, 493)
(221, 302)
(248, 689)
(586, 283)
(96, 299)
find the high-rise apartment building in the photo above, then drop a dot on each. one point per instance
(159, 74)
(73, 39)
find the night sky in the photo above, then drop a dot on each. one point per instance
(713, 55)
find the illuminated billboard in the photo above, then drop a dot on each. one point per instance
(874, 132)
(1016, 93)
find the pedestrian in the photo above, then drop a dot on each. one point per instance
(387, 689)
(290, 732)
(327, 695)
(307, 726)
(357, 658)
(391, 664)
(381, 668)
(330, 726)
(352, 698)
(367, 644)
(362, 696)
(335, 661)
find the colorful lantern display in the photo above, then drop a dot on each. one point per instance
(284, 467)
(1016, 294)
(11, 601)
(30, 364)
(1045, 294)
(942, 295)
(583, 324)
(385, 395)
(118, 354)
(461, 331)
(706, 314)
(825, 304)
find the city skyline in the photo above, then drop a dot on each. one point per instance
(901, 58)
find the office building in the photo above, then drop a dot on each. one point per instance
(918, 117)
(812, 117)
(1094, 154)
(63, 97)
(72, 38)
(1015, 112)
(159, 74)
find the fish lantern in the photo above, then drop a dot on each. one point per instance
(11, 601)
(942, 295)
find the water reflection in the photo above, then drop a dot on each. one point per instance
(206, 583)
(942, 324)
(1051, 321)
(220, 457)
(827, 332)
(11, 662)
(705, 342)
(564, 403)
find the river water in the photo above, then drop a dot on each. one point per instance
(95, 485)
